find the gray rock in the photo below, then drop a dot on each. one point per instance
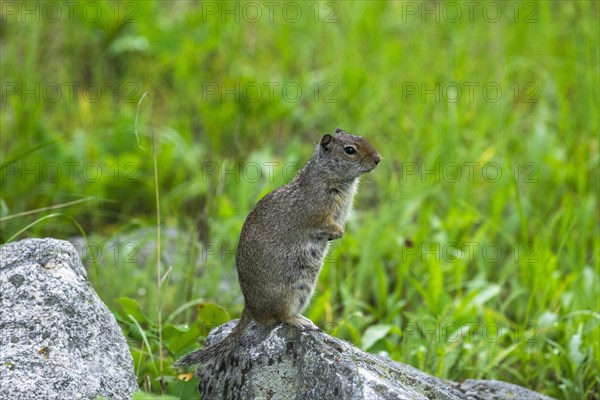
(284, 363)
(57, 340)
(479, 389)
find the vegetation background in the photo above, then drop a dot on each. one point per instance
(473, 248)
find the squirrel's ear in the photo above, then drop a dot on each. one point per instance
(326, 141)
(338, 130)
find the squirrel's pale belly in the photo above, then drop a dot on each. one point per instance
(343, 203)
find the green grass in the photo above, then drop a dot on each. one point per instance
(417, 274)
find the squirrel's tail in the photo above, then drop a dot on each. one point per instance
(217, 350)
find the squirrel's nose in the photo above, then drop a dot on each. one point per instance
(377, 159)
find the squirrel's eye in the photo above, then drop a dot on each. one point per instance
(350, 150)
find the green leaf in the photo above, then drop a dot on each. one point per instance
(184, 389)
(182, 308)
(170, 331)
(373, 334)
(131, 307)
(145, 339)
(187, 341)
(212, 314)
(139, 395)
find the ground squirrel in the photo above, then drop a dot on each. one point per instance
(286, 236)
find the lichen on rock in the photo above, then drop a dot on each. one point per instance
(58, 340)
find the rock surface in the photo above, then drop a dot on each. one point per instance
(285, 363)
(58, 340)
(479, 389)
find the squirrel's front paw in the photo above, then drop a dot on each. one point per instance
(329, 232)
(335, 232)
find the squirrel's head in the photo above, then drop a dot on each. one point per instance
(348, 155)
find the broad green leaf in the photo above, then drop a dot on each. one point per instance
(212, 314)
(187, 340)
(131, 307)
(373, 334)
(170, 331)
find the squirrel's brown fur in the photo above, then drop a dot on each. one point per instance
(286, 236)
